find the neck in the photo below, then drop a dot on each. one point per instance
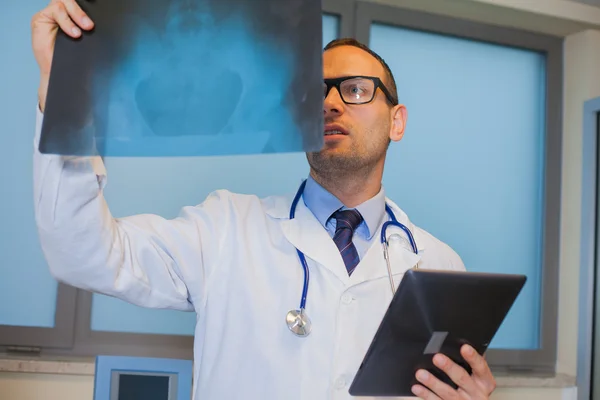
(351, 190)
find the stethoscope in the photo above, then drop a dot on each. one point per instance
(297, 320)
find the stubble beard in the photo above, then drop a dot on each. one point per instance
(353, 163)
(332, 165)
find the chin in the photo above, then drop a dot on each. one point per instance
(330, 159)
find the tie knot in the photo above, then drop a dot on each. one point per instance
(347, 219)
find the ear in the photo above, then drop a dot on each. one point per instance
(399, 115)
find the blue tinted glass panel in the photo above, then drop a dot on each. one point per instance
(470, 166)
(331, 28)
(113, 315)
(27, 291)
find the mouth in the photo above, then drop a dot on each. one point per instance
(333, 130)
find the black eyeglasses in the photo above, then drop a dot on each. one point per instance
(357, 89)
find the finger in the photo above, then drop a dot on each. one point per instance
(77, 15)
(57, 13)
(480, 367)
(457, 374)
(423, 393)
(439, 388)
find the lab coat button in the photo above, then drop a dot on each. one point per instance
(340, 383)
(347, 299)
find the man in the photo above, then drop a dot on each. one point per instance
(233, 259)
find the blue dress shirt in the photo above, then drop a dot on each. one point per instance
(322, 204)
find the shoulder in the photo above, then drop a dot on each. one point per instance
(225, 202)
(436, 253)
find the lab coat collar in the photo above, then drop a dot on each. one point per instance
(373, 265)
(308, 235)
(401, 216)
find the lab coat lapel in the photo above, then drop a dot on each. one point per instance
(306, 234)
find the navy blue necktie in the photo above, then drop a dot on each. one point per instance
(347, 221)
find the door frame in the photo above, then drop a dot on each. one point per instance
(589, 243)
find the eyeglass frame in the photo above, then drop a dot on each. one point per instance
(336, 82)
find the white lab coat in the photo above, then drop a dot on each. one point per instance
(231, 259)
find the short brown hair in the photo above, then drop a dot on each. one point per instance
(391, 82)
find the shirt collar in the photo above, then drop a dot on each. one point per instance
(322, 204)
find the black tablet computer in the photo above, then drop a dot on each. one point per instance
(433, 312)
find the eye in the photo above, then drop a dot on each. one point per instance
(355, 90)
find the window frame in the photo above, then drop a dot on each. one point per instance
(589, 249)
(72, 334)
(88, 342)
(32, 339)
(542, 360)
(345, 11)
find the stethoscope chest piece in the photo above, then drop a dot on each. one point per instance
(298, 322)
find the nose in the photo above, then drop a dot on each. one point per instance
(333, 103)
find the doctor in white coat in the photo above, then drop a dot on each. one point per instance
(236, 255)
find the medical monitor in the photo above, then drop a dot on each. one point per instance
(141, 378)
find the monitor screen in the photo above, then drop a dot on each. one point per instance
(142, 378)
(130, 385)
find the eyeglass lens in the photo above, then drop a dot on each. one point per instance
(355, 90)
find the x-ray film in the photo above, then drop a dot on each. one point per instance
(188, 78)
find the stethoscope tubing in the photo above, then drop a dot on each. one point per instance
(393, 222)
(301, 254)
